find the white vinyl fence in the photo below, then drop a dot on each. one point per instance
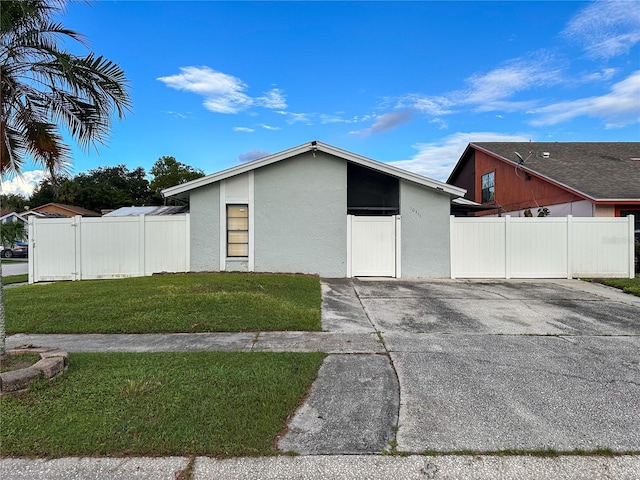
(83, 248)
(549, 247)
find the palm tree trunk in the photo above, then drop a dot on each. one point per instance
(3, 332)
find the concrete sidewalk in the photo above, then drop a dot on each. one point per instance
(329, 342)
(351, 467)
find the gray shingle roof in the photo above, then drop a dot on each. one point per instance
(600, 170)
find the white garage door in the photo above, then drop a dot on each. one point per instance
(373, 246)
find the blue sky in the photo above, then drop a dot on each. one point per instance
(408, 83)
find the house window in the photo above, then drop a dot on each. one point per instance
(237, 230)
(488, 187)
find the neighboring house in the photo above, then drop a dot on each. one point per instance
(59, 210)
(319, 209)
(12, 217)
(584, 179)
(151, 210)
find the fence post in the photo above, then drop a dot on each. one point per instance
(187, 233)
(142, 263)
(349, 241)
(398, 254)
(570, 247)
(632, 245)
(507, 247)
(76, 223)
(32, 250)
(452, 261)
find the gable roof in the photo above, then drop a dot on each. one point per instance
(72, 209)
(314, 146)
(602, 171)
(12, 217)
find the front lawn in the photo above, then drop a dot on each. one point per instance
(214, 302)
(155, 404)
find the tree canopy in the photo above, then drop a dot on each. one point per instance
(113, 187)
(168, 172)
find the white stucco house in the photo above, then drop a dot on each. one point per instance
(318, 209)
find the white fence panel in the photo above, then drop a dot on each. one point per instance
(110, 247)
(93, 248)
(479, 246)
(538, 248)
(598, 245)
(551, 247)
(167, 245)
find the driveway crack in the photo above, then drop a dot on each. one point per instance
(393, 437)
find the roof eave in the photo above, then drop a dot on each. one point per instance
(176, 191)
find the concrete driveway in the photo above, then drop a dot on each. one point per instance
(476, 365)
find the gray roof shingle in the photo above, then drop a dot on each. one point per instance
(600, 170)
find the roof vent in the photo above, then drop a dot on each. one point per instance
(545, 155)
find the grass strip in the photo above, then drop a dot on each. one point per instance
(627, 285)
(9, 279)
(154, 404)
(216, 302)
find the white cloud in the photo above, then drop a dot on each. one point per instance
(489, 89)
(435, 105)
(252, 155)
(436, 160)
(23, 184)
(222, 93)
(272, 99)
(602, 76)
(619, 107)
(337, 118)
(292, 118)
(385, 122)
(606, 29)
(177, 114)
(269, 127)
(243, 129)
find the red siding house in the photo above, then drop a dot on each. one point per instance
(584, 179)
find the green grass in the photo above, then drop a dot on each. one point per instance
(216, 302)
(119, 404)
(8, 280)
(16, 362)
(627, 285)
(4, 260)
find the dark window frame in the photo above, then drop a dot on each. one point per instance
(488, 189)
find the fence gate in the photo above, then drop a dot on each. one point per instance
(53, 249)
(372, 246)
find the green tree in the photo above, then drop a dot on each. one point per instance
(12, 202)
(46, 191)
(43, 86)
(168, 172)
(110, 187)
